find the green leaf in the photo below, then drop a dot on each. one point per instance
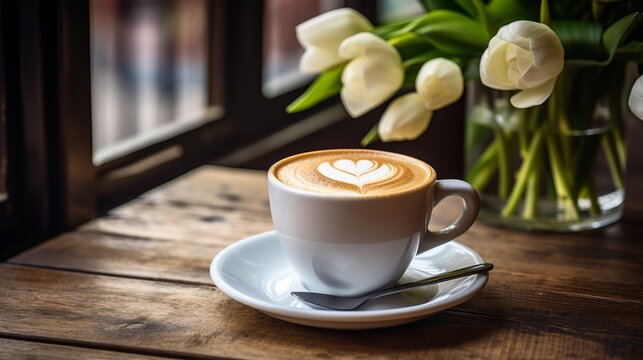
(384, 31)
(477, 10)
(326, 85)
(450, 32)
(618, 31)
(506, 11)
(630, 52)
(409, 44)
(371, 136)
(486, 19)
(468, 6)
(581, 39)
(430, 5)
(612, 38)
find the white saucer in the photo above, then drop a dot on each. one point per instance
(255, 272)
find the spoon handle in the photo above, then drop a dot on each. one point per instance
(449, 275)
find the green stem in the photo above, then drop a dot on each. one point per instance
(523, 126)
(615, 104)
(590, 188)
(544, 12)
(525, 169)
(504, 174)
(584, 161)
(530, 210)
(621, 150)
(558, 120)
(480, 173)
(561, 182)
(371, 136)
(550, 187)
(484, 176)
(612, 161)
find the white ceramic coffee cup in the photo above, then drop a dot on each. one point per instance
(352, 245)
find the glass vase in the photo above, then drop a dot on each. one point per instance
(558, 166)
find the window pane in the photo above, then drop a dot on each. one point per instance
(281, 50)
(395, 10)
(149, 72)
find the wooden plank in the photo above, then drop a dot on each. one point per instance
(19, 349)
(578, 265)
(114, 255)
(550, 296)
(208, 205)
(185, 222)
(587, 263)
(181, 320)
(144, 244)
(218, 187)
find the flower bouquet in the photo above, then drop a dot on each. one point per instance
(546, 85)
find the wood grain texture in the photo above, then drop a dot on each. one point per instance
(584, 264)
(218, 187)
(20, 349)
(184, 223)
(137, 281)
(122, 256)
(209, 205)
(187, 320)
(575, 264)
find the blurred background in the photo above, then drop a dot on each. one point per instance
(103, 100)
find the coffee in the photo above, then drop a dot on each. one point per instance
(353, 173)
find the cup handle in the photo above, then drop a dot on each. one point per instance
(444, 189)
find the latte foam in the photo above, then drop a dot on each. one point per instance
(354, 172)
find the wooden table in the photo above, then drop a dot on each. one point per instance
(135, 284)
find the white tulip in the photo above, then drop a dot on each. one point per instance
(405, 119)
(524, 55)
(636, 98)
(439, 83)
(372, 76)
(321, 36)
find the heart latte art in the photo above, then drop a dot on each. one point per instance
(359, 173)
(352, 172)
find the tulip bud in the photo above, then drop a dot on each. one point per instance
(321, 36)
(524, 55)
(372, 76)
(636, 98)
(406, 118)
(439, 83)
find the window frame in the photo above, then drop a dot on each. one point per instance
(53, 181)
(5, 217)
(23, 112)
(241, 72)
(121, 179)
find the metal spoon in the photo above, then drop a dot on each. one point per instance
(350, 303)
